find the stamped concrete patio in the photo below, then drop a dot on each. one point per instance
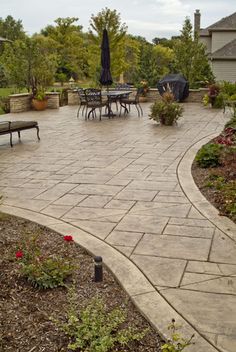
(123, 188)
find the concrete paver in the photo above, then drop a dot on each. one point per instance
(123, 188)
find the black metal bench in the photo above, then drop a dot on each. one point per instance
(8, 127)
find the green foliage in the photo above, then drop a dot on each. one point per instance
(95, 329)
(43, 271)
(166, 111)
(206, 100)
(228, 88)
(231, 123)
(215, 181)
(177, 343)
(40, 95)
(70, 47)
(11, 29)
(109, 19)
(190, 57)
(46, 273)
(4, 105)
(219, 100)
(30, 63)
(209, 155)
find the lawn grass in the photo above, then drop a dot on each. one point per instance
(4, 92)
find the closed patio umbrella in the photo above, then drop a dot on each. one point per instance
(105, 77)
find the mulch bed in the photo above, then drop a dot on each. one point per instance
(24, 310)
(218, 197)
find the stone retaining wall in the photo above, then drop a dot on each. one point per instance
(22, 102)
(195, 96)
(53, 100)
(73, 97)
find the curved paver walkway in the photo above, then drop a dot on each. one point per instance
(114, 185)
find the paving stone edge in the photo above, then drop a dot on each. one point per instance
(195, 196)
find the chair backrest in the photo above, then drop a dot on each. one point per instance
(93, 94)
(122, 86)
(81, 95)
(139, 92)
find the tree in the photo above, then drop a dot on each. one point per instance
(169, 43)
(164, 57)
(30, 63)
(190, 57)
(110, 20)
(70, 47)
(11, 29)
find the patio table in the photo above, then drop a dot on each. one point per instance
(115, 95)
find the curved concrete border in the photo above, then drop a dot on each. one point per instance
(194, 195)
(146, 298)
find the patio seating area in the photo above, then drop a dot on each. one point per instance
(91, 99)
(122, 187)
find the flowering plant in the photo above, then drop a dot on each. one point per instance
(41, 270)
(143, 87)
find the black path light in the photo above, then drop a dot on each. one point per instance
(98, 271)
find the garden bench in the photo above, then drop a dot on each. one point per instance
(8, 127)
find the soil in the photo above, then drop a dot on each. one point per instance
(25, 311)
(219, 194)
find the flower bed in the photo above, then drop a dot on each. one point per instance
(214, 171)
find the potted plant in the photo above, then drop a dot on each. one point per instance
(39, 100)
(166, 111)
(143, 89)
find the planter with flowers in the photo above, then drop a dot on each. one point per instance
(39, 100)
(166, 111)
(143, 89)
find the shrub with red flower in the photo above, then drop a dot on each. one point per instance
(19, 254)
(44, 270)
(68, 238)
(227, 137)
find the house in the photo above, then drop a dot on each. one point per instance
(220, 41)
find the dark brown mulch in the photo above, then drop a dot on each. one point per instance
(218, 197)
(24, 311)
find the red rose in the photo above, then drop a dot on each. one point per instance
(19, 254)
(68, 238)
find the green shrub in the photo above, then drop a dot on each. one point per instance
(47, 273)
(95, 329)
(206, 100)
(219, 100)
(4, 105)
(209, 155)
(166, 111)
(228, 88)
(43, 271)
(231, 123)
(176, 343)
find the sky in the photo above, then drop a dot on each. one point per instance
(147, 18)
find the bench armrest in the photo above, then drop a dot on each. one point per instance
(2, 123)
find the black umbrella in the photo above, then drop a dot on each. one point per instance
(105, 78)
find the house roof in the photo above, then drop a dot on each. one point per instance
(227, 52)
(228, 22)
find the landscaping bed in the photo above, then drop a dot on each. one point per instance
(27, 313)
(214, 171)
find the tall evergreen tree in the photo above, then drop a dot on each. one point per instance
(190, 57)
